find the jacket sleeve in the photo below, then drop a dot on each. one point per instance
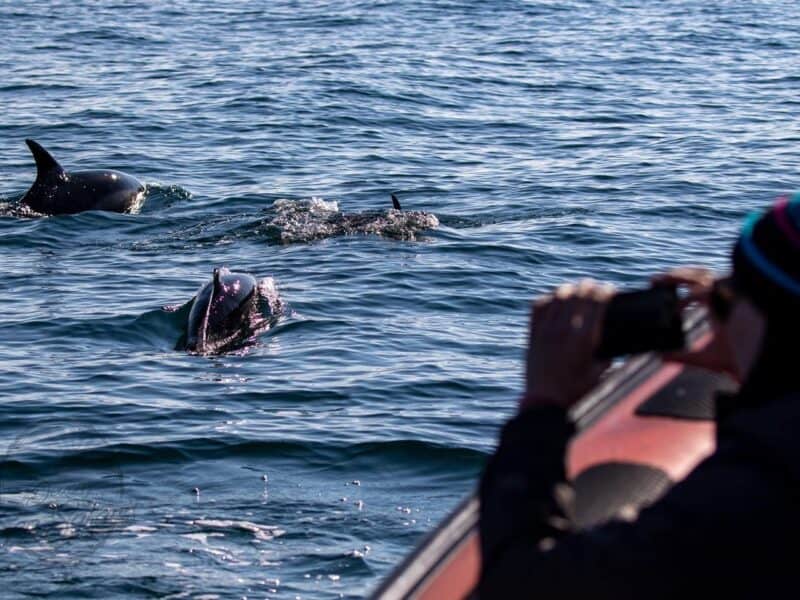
(517, 490)
(710, 527)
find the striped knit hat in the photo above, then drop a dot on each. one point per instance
(766, 258)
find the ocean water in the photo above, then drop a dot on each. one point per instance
(550, 140)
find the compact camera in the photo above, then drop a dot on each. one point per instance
(642, 321)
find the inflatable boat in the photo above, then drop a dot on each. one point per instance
(644, 427)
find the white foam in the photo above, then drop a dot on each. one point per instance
(260, 532)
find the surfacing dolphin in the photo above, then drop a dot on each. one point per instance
(302, 221)
(57, 192)
(227, 312)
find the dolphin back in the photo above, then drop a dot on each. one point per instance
(57, 192)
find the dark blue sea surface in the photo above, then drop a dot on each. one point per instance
(551, 140)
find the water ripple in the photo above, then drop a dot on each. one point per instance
(529, 143)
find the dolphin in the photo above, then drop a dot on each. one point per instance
(303, 221)
(57, 192)
(228, 311)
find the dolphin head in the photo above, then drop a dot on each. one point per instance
(222, 311)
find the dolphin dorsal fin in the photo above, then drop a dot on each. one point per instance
(46, 165)
(396, 203)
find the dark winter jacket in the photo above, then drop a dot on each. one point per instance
(733, 524)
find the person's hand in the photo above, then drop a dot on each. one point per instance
(697, 280)
(717, 354)
(564, 333)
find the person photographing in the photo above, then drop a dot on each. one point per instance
(733, 522)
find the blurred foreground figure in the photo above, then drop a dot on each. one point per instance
(733, 523)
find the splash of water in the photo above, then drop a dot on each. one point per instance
(295, 221)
